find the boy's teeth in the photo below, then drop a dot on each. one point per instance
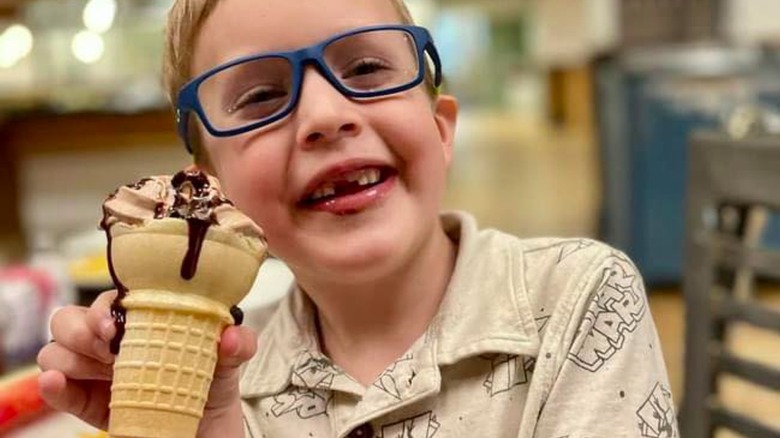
(363, 177)
(354, 176)
(323, 191)
(373, 176)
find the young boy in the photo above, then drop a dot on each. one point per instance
(323, 121)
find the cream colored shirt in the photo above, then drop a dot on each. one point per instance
(544, 338)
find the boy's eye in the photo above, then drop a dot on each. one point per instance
(259, 96)
(365, 66)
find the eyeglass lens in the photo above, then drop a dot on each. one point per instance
(255, 90)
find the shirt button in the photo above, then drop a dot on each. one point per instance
(362, 431)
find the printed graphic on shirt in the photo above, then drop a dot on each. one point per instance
(247, 429)
(615, 312)
(388, 380)
(313, 372)
(424, 425)
(569, 248)
(541, 322)
(656, 415)
(507, 371)
(566, 248)
(304, 402)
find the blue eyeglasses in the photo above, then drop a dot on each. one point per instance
(257, 90)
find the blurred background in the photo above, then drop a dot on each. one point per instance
(576, 119)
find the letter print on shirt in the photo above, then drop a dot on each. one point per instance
(656, 415)
(314, 372)
(309, 392)
(615, 312)
(306, 403)
(507, 371)
(424, 425)
(388, 380)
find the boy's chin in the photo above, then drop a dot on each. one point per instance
(368, 247)
(360, 262)
(366, 262)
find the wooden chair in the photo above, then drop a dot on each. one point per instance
(740, 177)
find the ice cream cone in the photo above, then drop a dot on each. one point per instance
(167, 356)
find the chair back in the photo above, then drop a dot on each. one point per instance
(733, 193)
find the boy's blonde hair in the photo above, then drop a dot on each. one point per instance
(185, 20)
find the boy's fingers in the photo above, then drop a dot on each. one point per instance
(74, 365)
(86, 400)
(53, 389)
(70, 329)
(238, 345)
(99, 316)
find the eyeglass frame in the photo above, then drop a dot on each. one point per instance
(188, 100)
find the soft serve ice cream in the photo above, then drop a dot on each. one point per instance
(181, 256)
(191, 196)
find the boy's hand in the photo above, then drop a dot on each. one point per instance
(78, 367)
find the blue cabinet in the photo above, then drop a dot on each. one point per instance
(648, 105)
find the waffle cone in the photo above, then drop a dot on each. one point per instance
(167, 356)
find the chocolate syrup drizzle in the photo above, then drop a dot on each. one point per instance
(194, 202)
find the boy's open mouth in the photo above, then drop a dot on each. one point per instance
(346, 184)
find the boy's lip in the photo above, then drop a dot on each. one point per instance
(339, 171)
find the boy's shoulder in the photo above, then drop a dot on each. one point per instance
(550, 258)
(542, 262)
(560, 275)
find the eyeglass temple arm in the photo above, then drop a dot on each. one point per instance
(183, 122)
(437, 74)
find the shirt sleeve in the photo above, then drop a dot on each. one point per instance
(612, 382)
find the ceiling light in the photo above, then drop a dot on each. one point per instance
(99, 15)
(15, 43)
(87, 46)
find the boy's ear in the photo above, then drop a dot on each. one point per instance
(446, 115)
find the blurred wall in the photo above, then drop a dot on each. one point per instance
(752, 21)
(568, 32)
(61, 193)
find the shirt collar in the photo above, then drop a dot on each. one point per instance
(485, 310)
(289, 342)
(486, 307)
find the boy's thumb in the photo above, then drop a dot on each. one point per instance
(237, 345)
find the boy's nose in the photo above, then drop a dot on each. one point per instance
(324, 114)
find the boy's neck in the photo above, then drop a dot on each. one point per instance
(363, 328)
